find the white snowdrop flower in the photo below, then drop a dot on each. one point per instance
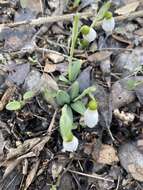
(108, 25)
(91, 36)
(91, 116)
(88, 33)
(70, 146)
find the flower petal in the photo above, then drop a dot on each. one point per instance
(70, 146)
(108, 25)
(91, 36)
(91, 118)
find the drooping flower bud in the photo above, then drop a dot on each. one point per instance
(108, 23)
(70, 146)
(91, 116)
(88, 33)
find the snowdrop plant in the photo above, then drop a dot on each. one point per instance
(72, 103)
(91, 116)
(89, 34)
(108, 23)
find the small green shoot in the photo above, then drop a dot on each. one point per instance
(101, 13)
(87, 91)
(76, 3)
(17, 105)
(28, 95)
(74, 36)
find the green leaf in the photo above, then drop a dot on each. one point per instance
(62, 97)
(74, 90)
(64, 79)
(78, 107)
(14, 105)
(74, 35)
(69, 110)
(23, 3)
(66, 124)
(28, 95)
(76, 3)
(89, 90)
(101, 13)
(74, 69)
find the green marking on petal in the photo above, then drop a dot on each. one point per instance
(85, 29)
(108, 15)
(92, 105)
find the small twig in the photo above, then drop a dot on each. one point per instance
(118, 183)
(48, 19)
(96, 176)
(49, 131)
(44, 20)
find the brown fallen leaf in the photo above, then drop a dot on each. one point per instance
(12, 164)
(55, 58)
(123, 40)
(48, 82)
(17, 38)
(23, 148)
(34, 5)
(61, 67)
(136, 171)
(49, 68)
(99, 56)
(125, 117)
(6, 96)
(131, 159)
(127, 9)
(139, 32)
(107, 155)
(31, 174)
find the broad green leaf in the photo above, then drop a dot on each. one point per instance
(23, 3)
(101, 13)
(74, 69)
(78, 107)
(69, 110)
(74, 35)
(66, 124)
(14, 105)
(28, 95)
(62, 97)
(74, 90)
(88, 91)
